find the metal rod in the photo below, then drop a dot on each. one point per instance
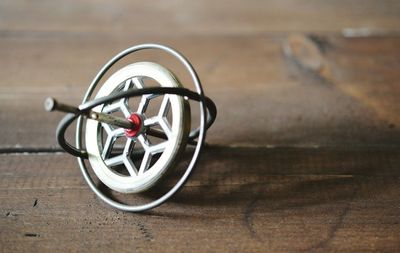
(112, 120)
(156, 133)
(51, 104)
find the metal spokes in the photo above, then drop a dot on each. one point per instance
(150, 149)
(133, 160)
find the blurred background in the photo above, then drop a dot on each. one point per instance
(283, 73)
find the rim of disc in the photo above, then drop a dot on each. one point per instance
(173, 145)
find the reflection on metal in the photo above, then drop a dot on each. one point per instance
(115, 130)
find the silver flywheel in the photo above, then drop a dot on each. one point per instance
(114, 164)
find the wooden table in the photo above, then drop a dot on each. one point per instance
(304, 155)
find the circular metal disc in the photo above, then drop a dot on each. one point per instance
(139, 207)
(141, 177)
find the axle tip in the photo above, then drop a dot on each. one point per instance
(50, 104)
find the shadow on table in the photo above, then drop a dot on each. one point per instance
(281, 177)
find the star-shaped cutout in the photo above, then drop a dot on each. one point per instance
(149, 148)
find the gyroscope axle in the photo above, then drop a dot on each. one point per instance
(51, 104)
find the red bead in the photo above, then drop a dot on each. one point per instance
(137, 121)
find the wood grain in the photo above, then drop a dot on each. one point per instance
(205, 17)
(303, 157)
(299, 107)
(275, 199)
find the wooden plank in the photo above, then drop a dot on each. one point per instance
(239, 199)
(318, 79)
(265, 97)
(205, 17)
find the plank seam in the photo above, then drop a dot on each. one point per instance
(27, 150)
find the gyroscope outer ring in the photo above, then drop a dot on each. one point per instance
(176, 141)
(200, 142)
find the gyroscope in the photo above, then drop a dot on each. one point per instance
(128, 148)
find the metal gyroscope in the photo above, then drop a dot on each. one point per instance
(116, 134)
